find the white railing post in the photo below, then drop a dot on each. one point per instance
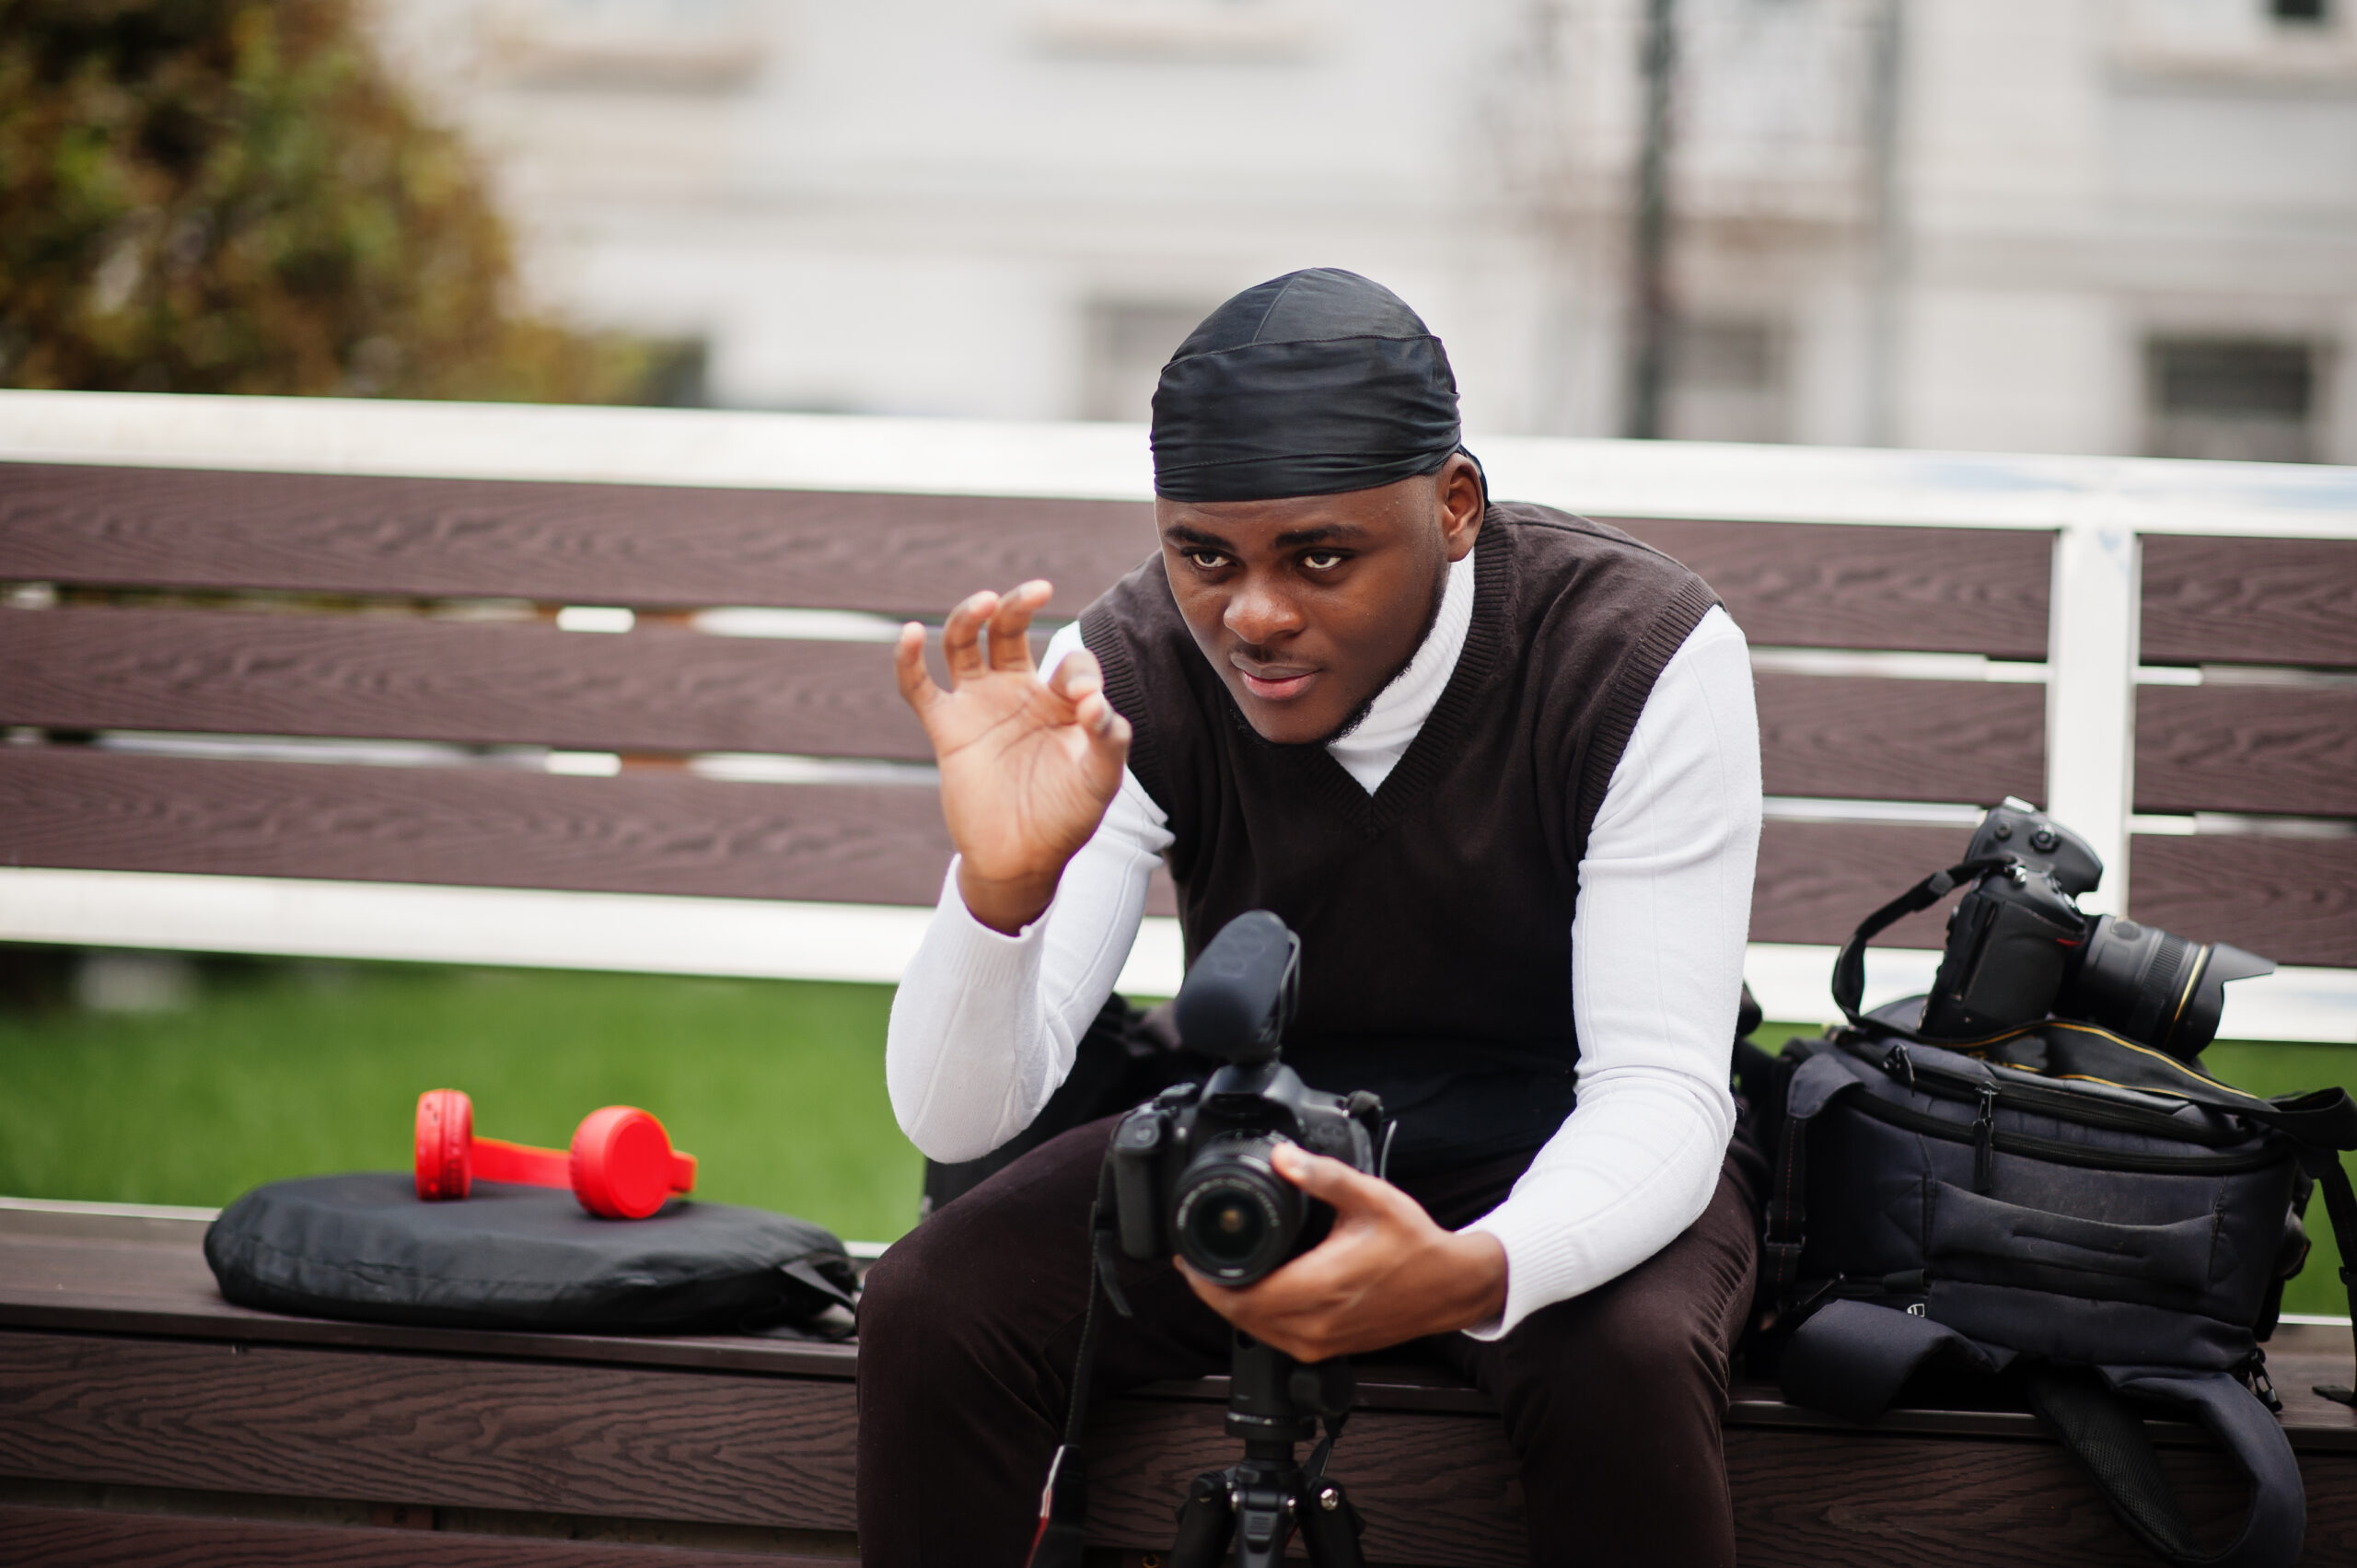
(2091, 693)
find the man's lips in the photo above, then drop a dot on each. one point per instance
(1274, 682)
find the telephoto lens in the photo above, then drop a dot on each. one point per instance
(1234, 1218)
(2155, 986)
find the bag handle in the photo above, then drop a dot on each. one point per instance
(2341, 1209)
(2109, 1438)
(1850, 969)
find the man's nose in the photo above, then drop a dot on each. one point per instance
(1259, 613)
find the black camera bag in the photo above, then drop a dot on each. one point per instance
(2096, 1222)
(363, 1246)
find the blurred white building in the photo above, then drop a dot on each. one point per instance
(2091, 225)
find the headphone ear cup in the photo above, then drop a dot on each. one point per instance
(621, 1163)
(446, 1135)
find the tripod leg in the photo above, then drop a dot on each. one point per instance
(1205, 1521)
(1329, 1525)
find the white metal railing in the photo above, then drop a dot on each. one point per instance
(2099, 507)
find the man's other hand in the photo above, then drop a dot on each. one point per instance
(1028, 766)
(1385, 1275)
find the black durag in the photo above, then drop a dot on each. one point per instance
(1315, 383)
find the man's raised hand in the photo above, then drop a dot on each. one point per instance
(1028, 766)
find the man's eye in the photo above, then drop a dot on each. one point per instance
(1322, 560)
(1206, 560)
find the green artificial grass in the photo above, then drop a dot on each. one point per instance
(277, 1070)
(2262, 1067)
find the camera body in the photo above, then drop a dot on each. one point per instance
(2019, 949)
(1192, 1167)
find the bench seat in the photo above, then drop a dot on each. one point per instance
(144, 1419)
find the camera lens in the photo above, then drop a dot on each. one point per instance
(1229, 1226)
(1234, 1217)
(2155, 987)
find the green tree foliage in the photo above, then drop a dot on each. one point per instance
(234, 196)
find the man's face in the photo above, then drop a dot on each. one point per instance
(1308, 607)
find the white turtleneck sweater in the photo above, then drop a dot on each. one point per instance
(985, 1025)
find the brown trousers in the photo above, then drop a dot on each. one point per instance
(968, 1330)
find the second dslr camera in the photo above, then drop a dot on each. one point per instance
(2019, 949)
(1191, 1167)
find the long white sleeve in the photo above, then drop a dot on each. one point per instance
(985, 1025)
(1657, 944)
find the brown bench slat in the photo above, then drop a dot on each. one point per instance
(1817, 880)
(1955, 590)
(657, 833)
(643, 832)
(664, 688)
(2250, 600)
(1854, 738)
(1804, 1502)
(1437, 1489)
(434, 1430)
(656, 689)
(2261, 749)
(94, 1538)
(76, 1283)
(2292, 900)
(1814, 585)
(83, 1275)
(563, 543)
(1428, 1462)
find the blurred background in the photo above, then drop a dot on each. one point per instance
(2074, 226)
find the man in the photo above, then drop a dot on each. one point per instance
(1499, 767)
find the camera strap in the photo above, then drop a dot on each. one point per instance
(1850, 969)
(1064, 1500)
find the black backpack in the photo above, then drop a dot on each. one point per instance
(2094, 1222)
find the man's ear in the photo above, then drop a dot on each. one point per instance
(1457, 497)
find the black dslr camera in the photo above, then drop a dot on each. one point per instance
(2019, 950)
(1191, 1171)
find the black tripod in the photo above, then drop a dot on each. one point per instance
(1273, 1403)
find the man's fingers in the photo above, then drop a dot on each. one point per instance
(1108, 733)
(1283, 1310)
(908, 663)
(961, 636)
(1011, 626)
(1079, 682)
(1077, 674)
(1339, 1184)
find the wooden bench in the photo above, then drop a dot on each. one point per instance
(301, 678)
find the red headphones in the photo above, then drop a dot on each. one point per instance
(621, 1165)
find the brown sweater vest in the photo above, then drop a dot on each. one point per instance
(1434, 915)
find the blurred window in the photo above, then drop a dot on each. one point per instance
(1128, 344)
(1203, 29)
(2300, 10)
(630, 45)
(1727, 382)
(2232, 397)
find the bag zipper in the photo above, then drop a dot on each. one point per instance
(2061, 1104)
(1990, 1141)
(1984, 1141)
